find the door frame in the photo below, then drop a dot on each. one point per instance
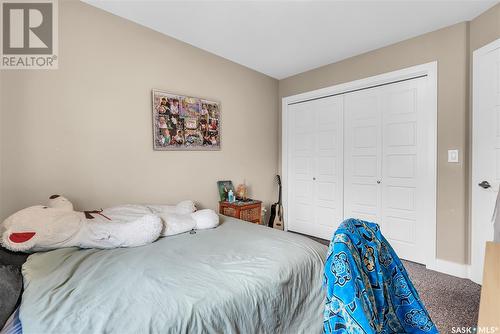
(475, 87)
(430, 71)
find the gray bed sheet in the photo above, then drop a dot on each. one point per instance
(236, 278)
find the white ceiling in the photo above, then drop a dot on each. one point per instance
(283, 38)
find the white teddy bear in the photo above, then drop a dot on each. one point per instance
(184, 217)
(40, 228)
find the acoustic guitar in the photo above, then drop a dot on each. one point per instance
(276, 216)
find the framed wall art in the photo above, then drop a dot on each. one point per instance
(185, 123)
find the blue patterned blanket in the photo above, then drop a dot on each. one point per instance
(368, 289)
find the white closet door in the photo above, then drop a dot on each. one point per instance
(386, 166)
(300, 187)
(328, 176)
(403, 216)
(315, 167)
(362, 155)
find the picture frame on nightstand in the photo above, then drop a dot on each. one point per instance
(224, 187)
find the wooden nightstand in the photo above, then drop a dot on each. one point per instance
(250, 211)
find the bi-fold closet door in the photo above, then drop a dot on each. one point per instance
(315, 163)
(362, 155)
(386, 165)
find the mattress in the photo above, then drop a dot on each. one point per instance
(238, 277)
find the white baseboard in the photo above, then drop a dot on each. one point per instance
(451, 268)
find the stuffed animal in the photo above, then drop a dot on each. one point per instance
(40, 228)
(177, 219)
(176, 223)
(183, 208)
(60, 202)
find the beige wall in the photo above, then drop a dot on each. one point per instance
(449, 47)
(485, 28)
(84, 130)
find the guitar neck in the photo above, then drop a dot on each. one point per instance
(279, 194)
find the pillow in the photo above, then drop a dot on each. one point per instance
(11, 282)
(14, 258)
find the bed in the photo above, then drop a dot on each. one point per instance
(236, 278)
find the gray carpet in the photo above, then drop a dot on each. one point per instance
(450, 301)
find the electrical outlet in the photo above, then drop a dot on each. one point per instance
(453, 156)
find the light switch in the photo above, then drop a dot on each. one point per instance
(453, 156)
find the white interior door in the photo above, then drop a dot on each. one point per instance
(363, 155)
(314, 188)
(328, 175)
(386, 170)
(403, 182)
(485, 151)
(300, 187)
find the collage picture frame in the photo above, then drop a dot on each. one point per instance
(182, 122)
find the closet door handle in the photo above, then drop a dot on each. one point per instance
(485, 185)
